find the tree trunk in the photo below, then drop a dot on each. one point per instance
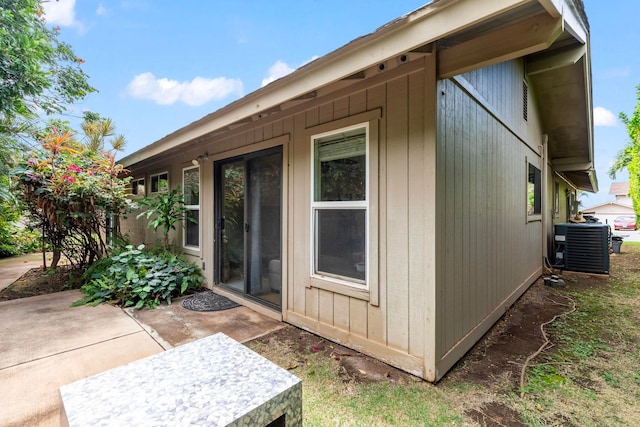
(56, 257)
(44, 253)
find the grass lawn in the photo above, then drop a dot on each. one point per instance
(589, 375)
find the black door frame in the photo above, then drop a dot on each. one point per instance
(219, 221)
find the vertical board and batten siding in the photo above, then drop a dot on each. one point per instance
(376, 316)
(217, 148)
(453, 241)
(390, 326)
(397, 203)
(489, 251)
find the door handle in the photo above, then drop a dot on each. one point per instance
(246, 227)
(220, 224)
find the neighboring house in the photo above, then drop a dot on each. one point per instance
(607, 212)
(398, 194)
(621, 191)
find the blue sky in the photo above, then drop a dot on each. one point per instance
(160, 65)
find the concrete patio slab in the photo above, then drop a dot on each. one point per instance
(176, 325)
(45, 343)
(37, 327)
(30, 390)
(13, 267)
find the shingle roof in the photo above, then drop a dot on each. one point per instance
(619, 188)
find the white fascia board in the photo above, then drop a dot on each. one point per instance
(557, 8)
(572, 166)
(421, 27)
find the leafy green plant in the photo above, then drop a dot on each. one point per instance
(18, 241)
(164, 211)
(14, 238)
(135, 277)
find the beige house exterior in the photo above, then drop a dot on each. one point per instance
(398, 194)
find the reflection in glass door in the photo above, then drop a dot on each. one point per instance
(231, 225)
(248, 225)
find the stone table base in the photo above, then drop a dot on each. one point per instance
(213, 381)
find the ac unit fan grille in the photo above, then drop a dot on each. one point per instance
(587, 249)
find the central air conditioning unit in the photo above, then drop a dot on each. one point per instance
(582, 247)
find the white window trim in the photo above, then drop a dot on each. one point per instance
(151, 182)
(192, 207)
(331, 280)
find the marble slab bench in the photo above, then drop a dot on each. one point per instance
(214, 381)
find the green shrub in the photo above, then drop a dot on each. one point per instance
(17, 241)
(28, 241)
(136, 277)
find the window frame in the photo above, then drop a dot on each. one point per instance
(191, 208)
(327, 279)
(536, 214)
(158, 175)
(135, 184)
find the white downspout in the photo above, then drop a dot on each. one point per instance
(544, 197)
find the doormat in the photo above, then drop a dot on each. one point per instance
(208, 301)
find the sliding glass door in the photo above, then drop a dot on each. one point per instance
(248, 224)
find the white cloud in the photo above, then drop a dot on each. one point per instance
(63, 13)
(281, 69)
(604, 117)
(196, 92)
(276, 71)
(101, 11)
(60, 12)
(313, 58)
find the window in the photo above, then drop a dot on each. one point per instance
(191, 193)
(340, 204)
(534, 205)
(138, 188)
(160, 183)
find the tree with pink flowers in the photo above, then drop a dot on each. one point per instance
(73, 194)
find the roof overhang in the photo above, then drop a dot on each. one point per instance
(561, 80)
(467, 34)
(552, 36)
